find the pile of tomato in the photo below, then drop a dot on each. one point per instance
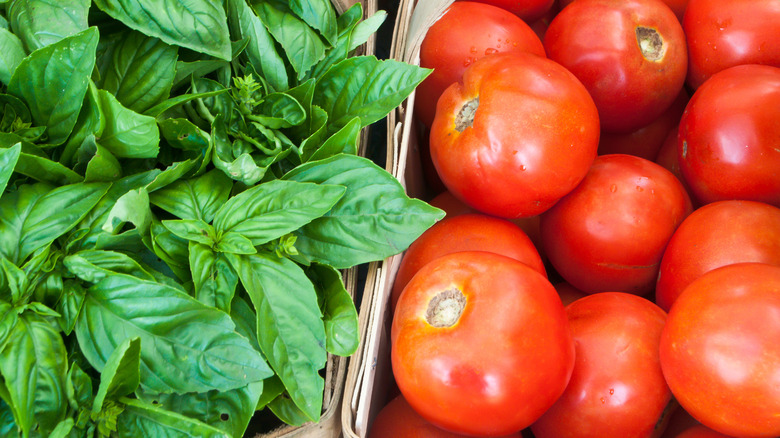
(609, 265)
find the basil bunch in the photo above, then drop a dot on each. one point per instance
(180, 188)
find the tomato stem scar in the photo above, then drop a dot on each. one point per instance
(445, 308)
(650, 43)
(466, 114)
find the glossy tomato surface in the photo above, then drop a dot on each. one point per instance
(466, 32)
(609, 233)
(720, 353)
(467, 232)
(480, 344)
(677, 6)
(617, 388)
(729, 135)
(518, 133)
(528, 10)
(715, 235)
(629, 54)
(668, 159)
(726, 33)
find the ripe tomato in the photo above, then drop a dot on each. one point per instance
(725, 33)
(528, 10)
(617, 388)
(466, 32)
(720, 353)
(715, 235)
(677, 6)
(668, 159)
(518, 133)
(610, 232)
(480, 344)
(467, 232)
(729, 135)
(629, 54)
(398, 420)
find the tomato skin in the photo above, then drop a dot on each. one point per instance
(610, 232)
(700, 432)
(534, 134)
(597, 40)
(726, 33)
(466, 32)
(728, 136)
(677, 6)
(525, 352)
(617, 388)
(467, 232)
(668, 159)
(720, 353)
(528, 10)
(715, 235)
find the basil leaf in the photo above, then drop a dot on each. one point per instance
(126, 133)
(213, 278)
(200, 25)
(141, 72)
(69, 306)
(374, 220)
(344, 141)
(78, 388)
(279, 110)
(246, 322)
(43, 169)
(187, 70)
(183, 134)
(338, 309)
(290, 330)
(34, 366)
(196, 198)
(286, 410)
(272, 388)
(275, 208)
(99, 163)
(8, 318)
(121, 374)
(318, 14)
(240, 168)
(131, 207)
(11, 55)
(35, 215)
(186, 346)
(195, 230)
(170, 249)
(235, 243)
(8, 159)
(365, 87)
(145, 419)
(63, 429)
(94, 265)
(53, 80)
(261, 51)
(88, 124)
(39, 23)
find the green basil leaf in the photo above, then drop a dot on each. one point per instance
(374, 220)
(46, 170)
(261, 51)
(240, 168)
(11, 54)
(35, 215)
(195, 198)
(338, 309)
(142, 71)
(99, 164)
(279, 110)
(318, 14)
(171, 249)
(301, 43)
(8, 159)
(213, 278)
(63, 428)
(246, 322)
(186, 346)
(364, 29)
(69, 305)
(366, 87)
(8, 318)
(172, 173)
(39, 23)
(94, 265)
(272, 388)
(53, 81)
(186, 70)
(343, 141)
(88, 123)
(235, 243)
(183, 134)
(34, 366)
(191, 229)
(145, 419)
(290, 330)
(286, 410)
(200, 25)
(78, 388)
(159, 109)
(121, 373)
(126, 133)
(275, 208)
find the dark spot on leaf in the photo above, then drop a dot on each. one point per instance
(224, 416)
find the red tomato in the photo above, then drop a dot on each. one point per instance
(677, 6)
(528, 10)
(466, 32)
(467, 232)
(667, 158)
(725, 33)
(518, 133)
(480, 344)
(617, 388)
(610, 232)
(729, 135)
(715, 235)
(629, 54)
(646, 141)
(720, 353)
(398, 420)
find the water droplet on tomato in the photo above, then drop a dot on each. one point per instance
(639, 189)
(611, 391)
(490, 51)
(522, 167)
(473, 49)
(603, 401)
(613, 188)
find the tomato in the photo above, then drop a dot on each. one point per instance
(667, 158)
(480, 344)
(677, 6)
(715, 235)
(726, 33)
(466, 32)
(609, 233)
(467, 232)
(518, 133)
(720, 353)
(398, 420)
(629, 54)
(617, 388)
(729, 135)
(646, 141)
(528, 10)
